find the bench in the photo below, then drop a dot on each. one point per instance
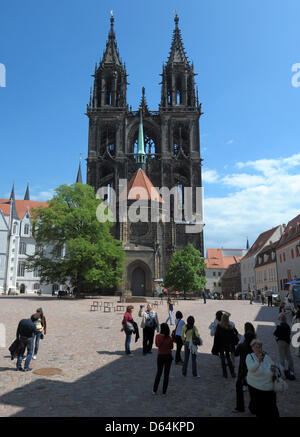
(119, 308)
(94, 307)
(107, 309)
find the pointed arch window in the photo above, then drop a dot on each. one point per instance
(150, 147)
(178, 91)
(108, 91)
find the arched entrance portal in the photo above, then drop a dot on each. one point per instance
(138, 282)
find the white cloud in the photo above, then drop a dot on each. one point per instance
(229, 141)
(267, 197)
(42, 196)
(210, 176)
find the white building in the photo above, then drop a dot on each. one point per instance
(16, 243)
(248, 262)
(217, 262)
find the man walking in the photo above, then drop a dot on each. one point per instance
(149, 324)
(270, 303)
(25, 334)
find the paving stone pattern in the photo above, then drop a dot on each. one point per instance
(98, 379)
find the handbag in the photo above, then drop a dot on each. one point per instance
(279, 384)
(129, 329)
(174, 331)
(197, 341)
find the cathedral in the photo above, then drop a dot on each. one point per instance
(150, 150)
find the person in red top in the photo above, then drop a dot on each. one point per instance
(128, 328)
(164, 357)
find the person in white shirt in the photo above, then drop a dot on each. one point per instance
(177, 337)
(260, 382)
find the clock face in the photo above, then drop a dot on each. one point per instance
(139, 228)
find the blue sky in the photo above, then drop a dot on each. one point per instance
(243, 52)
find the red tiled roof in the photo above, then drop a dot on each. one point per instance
(260, 242)
(216, 260)
(140, 188)
(21, 206)
(291, 232)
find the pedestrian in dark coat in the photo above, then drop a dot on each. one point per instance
(242, 350)
(226, 339)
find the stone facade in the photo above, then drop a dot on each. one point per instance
(172, 154)
(231, 281)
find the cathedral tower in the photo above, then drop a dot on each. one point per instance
(155, 148)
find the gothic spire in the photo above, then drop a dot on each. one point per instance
(177, 53)
(13, 210)
(143, 104)
(79, 175)
(141, 157)
(111, 54)
(27, 196)
(12, 194)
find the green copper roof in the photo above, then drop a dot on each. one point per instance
(141, 157)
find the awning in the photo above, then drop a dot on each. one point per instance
(293, 282)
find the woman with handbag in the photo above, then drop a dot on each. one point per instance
(190, 338)
(176, 334)
(128, 328)
(164, 357)
(242, 350)
(226, 339)
(260, 379)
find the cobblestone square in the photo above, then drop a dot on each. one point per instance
(97, 378)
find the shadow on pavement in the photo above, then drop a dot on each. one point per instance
(123, 388)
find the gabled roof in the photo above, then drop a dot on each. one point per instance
(140, 188)
(216, 260)
(260, 242)
(233, 271)
(265, 255)
(291, 232)
(20, 205)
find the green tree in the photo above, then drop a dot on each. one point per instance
(72, 245)
(186, 270)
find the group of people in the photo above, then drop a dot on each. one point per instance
(29, 333)
(256, 370)
(184, 334)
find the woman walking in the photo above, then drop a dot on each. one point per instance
(128, 328)
(164, 357)
(189, 332)
(261, 370)
(242, 350)
(170, 310)
(41, 325)
(178, 340)
(226, 339)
